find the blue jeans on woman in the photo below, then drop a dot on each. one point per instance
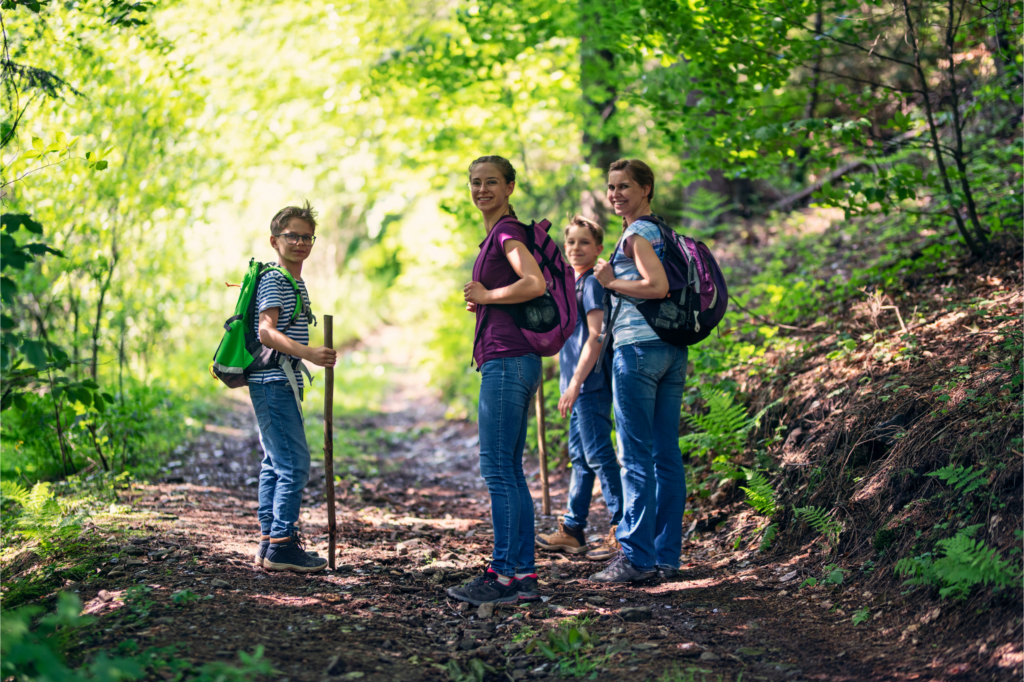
(648, 381)
(592, 456)
(284, 471)
(506, 387)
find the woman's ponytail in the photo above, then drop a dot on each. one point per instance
(511, 212)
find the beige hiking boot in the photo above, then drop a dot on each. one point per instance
(565, 540)
(608, 549)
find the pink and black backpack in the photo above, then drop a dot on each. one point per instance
(697, 297)
(548, 320)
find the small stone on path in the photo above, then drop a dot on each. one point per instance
(688, 649)
(635, 614)
(710, 657)
(462, 607)
(221, 584)
(485, 611)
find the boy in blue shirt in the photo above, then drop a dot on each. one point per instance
(587, 395)
(276, 393)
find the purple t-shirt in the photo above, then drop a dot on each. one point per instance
(500, 337)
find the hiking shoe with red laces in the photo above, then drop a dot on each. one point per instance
(486, 589)
(528, 587)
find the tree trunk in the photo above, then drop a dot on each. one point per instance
(601, 142)
(980, 233)
(934, 130)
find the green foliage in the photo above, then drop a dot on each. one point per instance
(31, 650)
(184, 597)
(818, 519)
(41, 515)
(884, 539)
(964, 563)
(476, 671)
(768, 537)
(760, 493)
(964, 480)
(703, 209)
(569, 646)
(34, 653)
(722, 431)
(834, 575)
(861, 616)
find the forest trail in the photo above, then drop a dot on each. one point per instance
(421, 526)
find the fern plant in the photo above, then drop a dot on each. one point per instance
(14, 491)
(964, 480)
(722, 431)
(760, 493)
(965, 562)
(42, 516)
(818, 519)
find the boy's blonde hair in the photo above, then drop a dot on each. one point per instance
(596, 231)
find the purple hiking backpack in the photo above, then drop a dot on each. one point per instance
(697, 295)
(548, 320)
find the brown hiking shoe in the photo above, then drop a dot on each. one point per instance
(608, 549)
(565, 540)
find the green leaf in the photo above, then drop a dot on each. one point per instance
(11, 222)
(34, 352)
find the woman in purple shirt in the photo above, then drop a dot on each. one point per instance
(505, 272)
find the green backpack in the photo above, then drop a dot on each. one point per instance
(240, 352)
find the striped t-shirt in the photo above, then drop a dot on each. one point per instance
(275, 291)
(630, 325)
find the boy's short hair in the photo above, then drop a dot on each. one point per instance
(596, 231)
(289, 213)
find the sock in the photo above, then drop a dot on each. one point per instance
(504, 579)
(520, 576)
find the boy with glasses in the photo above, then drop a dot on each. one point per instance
(285, 467)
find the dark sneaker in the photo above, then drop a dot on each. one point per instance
(289, 556)
(666, 572)
(486, 589)
(261, 553)
(567, 539)
(620, 570)
(528, 587)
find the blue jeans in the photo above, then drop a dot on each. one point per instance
(506, 386)
(648, 379)
(285, 467)
(592, 456)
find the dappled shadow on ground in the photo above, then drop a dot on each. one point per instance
(407, 535)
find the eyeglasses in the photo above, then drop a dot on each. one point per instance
(294, 239)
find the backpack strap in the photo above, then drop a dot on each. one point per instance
(289, 372)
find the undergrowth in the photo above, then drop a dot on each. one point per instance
(33, 648)
(963, 563)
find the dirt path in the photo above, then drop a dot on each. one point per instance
(423, 525)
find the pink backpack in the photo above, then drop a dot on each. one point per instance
(548, 320)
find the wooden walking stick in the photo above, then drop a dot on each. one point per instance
(542, 450)
(329, 442)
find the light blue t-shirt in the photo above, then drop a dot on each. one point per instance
(630, 325)
(275, 291)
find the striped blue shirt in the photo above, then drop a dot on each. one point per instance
(275, 291)
(630, 325)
